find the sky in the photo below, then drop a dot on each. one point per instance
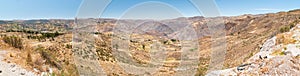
(67, 9)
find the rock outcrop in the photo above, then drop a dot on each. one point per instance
(275, 58)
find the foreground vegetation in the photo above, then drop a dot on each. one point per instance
(13, 41)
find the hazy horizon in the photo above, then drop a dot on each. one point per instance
(136, 19)
(63, 9)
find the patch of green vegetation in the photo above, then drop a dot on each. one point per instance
(201, 71)
(288, 27)
(98, 33)
(69, 46)
(285, 29)
(173, 40)
(13, 41)
(193, 49)
(292, 25)
(282, 53)
(165, 42)
(132, 41)
(44, 36)
(250, 55)
(29, 59)
(105, 54)
(202, 67)
(297, 46)
(143, 46)
(51, 35)
(65, 68)
(49, 56)
(278, 52)
(284, 48)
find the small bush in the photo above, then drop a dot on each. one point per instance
(285, 29)
(165, 42)
(13, 41)
(292, 25)
(282, 53)
(288, 27)
(69, 46)
(173, 40)
(50, 57)
(29, 59)
(51, 35)
(285, 48)
(279, 52)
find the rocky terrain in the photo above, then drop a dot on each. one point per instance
(255, 43)
(245, 34)
(279, 55)
(10, 69)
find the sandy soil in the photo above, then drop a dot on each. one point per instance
(10, 69)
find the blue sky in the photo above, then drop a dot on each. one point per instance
(67, 9)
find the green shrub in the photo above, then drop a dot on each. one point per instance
(173, 40)
(51, 35)
(13, 41)
(292, 25)
(165, 42)
(285, 48)
(50, 57)
(282, 53)
(69, 46)
(288, 27)
(285, 29)
(29, 59)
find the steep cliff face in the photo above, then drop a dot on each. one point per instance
(279, 55)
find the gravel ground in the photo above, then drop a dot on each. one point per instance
(10, 69)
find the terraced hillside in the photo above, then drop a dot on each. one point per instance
(49, 46)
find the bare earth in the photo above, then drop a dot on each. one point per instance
(10, 69)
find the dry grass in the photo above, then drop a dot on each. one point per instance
(13, 41)
(285, 39)
(51, 55)
(278, 52)
(31, 56)
(264, 70)
(202, 67)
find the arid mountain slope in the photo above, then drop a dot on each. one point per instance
(245, 36)
(279, 55)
